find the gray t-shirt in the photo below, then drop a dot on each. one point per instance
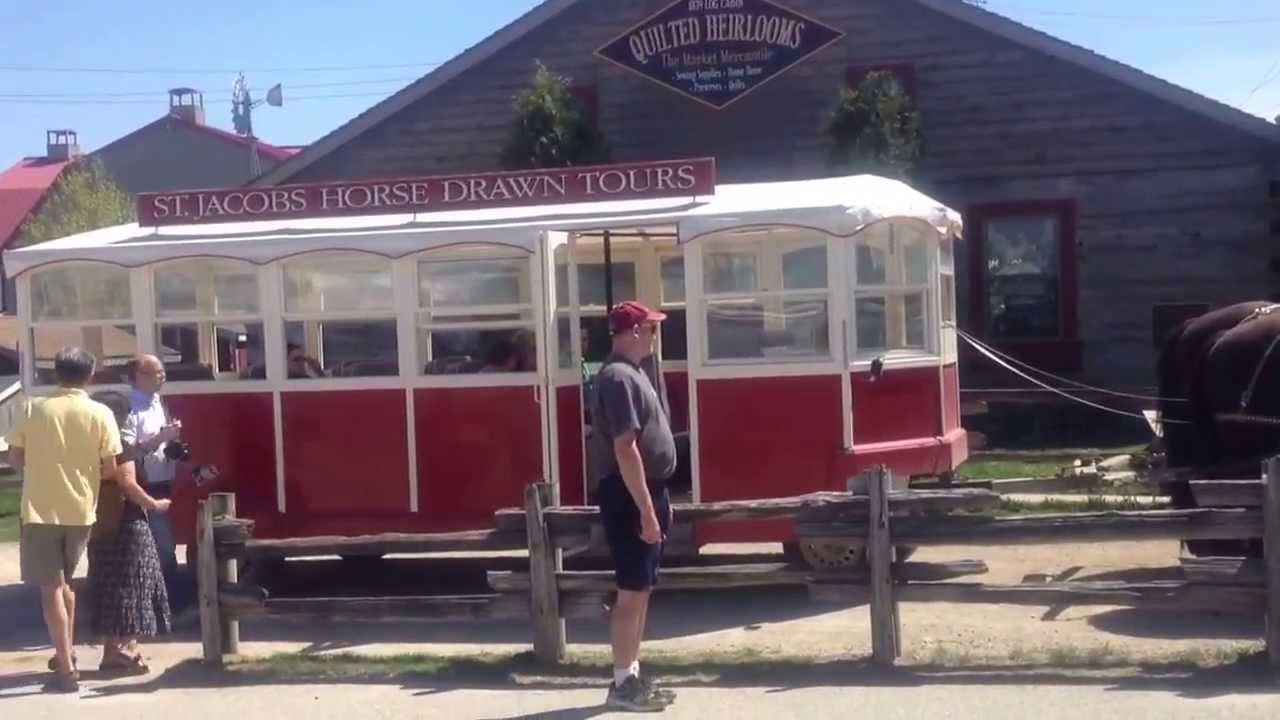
(624, 399)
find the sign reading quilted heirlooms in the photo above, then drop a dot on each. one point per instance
(717, 51)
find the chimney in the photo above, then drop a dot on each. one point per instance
(61, 145)
(188, 104)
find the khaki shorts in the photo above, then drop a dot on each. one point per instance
(50, 553)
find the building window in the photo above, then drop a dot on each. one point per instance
(209, 320)
(766, 297)
(87, 306)
(588, 101)
(339, 316)
(475, 315)
(1023, 278)
(891, 307)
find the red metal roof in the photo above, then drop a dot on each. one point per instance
(265, 150)
(22, 187)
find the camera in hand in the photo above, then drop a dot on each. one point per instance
(177, 451)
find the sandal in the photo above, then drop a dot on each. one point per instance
(125, 663)
(75, 666)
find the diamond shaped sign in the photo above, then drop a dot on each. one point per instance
(716, 51)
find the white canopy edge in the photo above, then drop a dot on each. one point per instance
(839, 206)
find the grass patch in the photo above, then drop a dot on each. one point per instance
(999, 466)
(1091, 503)
(504, 667)
(745, 665)
(9, 498)
(1091, 657)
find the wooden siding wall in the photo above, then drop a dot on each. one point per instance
(172, 155)
(1172, 206)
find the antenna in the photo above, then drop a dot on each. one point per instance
(242, 105)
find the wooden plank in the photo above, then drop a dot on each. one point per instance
(1167, 595)
(545, 560)
(1224, 571)
(737, 576)
(1271, 553)
(232, 530)
(207, 586)
(1227, 493)
(384, 609)
(884, 611)
(1211, 524)
(578, 519)
(388, 543)
(224, 506)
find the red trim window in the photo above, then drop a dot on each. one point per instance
(904, 73)
(1023, 285)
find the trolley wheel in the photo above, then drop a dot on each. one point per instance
(830, 556)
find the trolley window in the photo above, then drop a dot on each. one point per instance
(209, 320)
(87, 305)
(475, 315)
(892, 293)
(339, 316)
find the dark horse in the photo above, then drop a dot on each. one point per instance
(1219, 378)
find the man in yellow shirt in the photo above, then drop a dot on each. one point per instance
(66, 444)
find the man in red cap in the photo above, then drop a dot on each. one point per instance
(632, 454)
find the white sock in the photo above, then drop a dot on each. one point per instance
(635, 668)
(620, 676)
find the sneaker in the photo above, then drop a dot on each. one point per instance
(635, 696)
(665, 695)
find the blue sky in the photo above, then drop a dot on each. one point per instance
(1223, 49)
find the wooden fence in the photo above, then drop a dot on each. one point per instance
(879, 519)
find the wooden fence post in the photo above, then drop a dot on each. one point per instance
(228, 573)
(207, 585)
(1271, 554)
(545, 560)
(885, 642)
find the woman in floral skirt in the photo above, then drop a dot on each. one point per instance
(126, 585)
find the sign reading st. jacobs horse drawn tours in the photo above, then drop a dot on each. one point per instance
(716, 51)
(633, 181)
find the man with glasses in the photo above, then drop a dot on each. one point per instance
(149, 429)
(632, 454)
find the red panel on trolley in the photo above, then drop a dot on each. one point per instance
(678, 398)
(569, 441)
(346, 452)
(951, 397)
(903, 404)
(765, 437)
(477, 450)
(236, 432)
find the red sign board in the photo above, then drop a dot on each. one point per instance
(634, 181)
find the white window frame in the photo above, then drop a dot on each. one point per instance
(284, 317)
(156, 320)
(769, 273)
(419, 323)
(902, 357)
(27, 318)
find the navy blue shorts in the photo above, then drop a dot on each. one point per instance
(635, 561)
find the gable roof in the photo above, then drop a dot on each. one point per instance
(957, 9)
(22, 187)
(273, 152)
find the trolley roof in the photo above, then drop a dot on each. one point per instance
(840, 206)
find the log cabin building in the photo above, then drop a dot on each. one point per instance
(1101, 204)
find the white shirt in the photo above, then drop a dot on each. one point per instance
(146, 419)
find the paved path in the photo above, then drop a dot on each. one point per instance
(980, 699)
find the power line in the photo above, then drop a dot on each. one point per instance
(216, 93)
(211, 71)
(1272, 74)
(218, 101)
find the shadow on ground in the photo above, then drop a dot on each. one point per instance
(1247, 676)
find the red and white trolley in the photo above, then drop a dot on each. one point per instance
(457, 319)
